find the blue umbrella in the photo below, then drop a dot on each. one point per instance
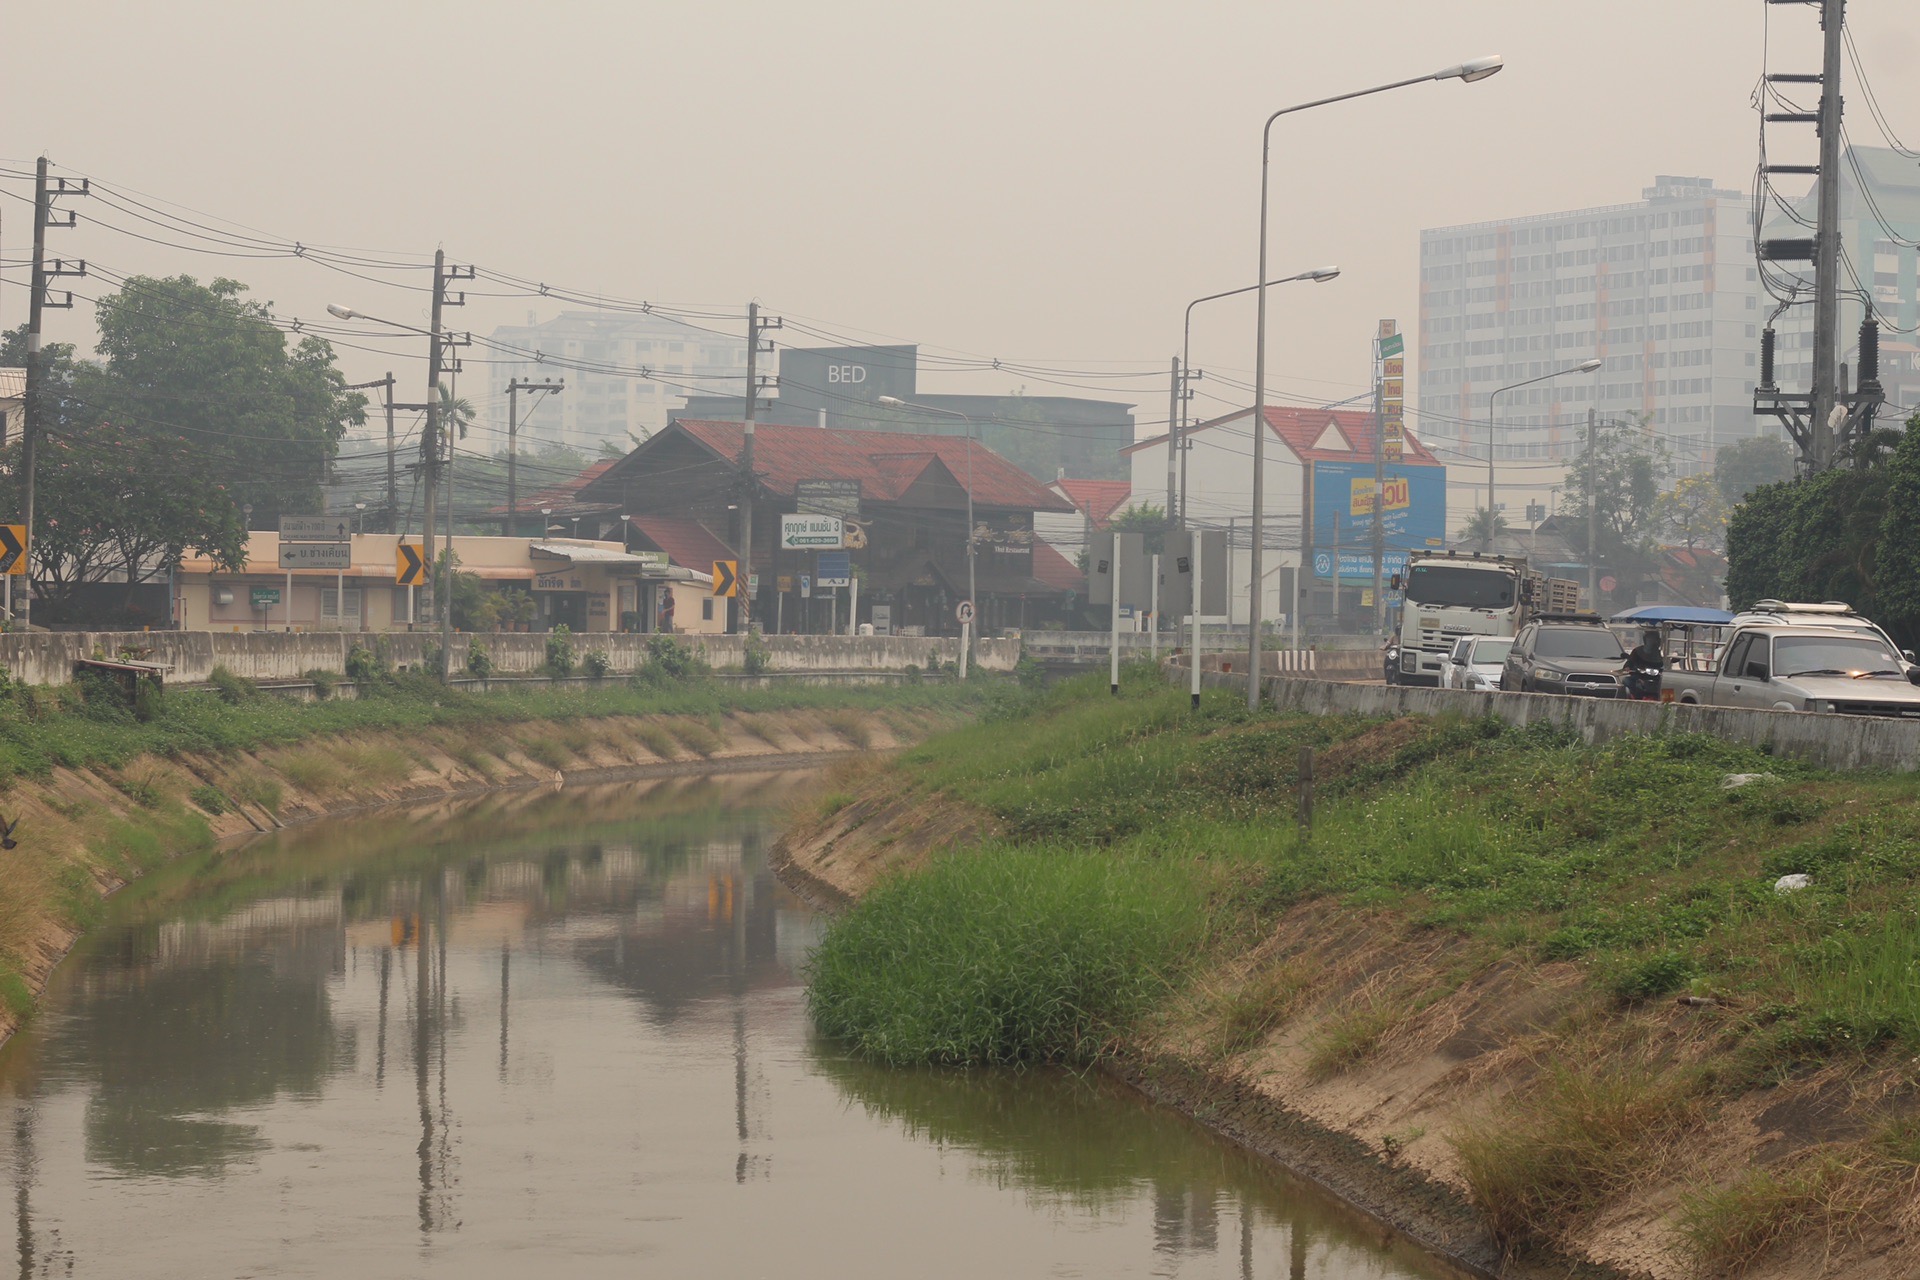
(1656, 614)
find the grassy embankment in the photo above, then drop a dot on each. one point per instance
(1587, 941)
(105, 791)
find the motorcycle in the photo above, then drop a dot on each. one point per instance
(1392, 652)
(1642, 683)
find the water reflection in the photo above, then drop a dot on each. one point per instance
(556, 1031)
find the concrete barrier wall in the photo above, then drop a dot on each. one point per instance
(48, 657)
(1828, 741)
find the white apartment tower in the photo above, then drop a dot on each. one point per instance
(1664, 291)
(624, 373)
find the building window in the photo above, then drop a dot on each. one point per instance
(706, 609)
(330, 602)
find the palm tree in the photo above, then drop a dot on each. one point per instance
(1483, 527)
(456, 412)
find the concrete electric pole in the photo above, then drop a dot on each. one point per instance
(34, 399)
(514, 388)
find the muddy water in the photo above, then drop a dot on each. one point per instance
(563, 1035)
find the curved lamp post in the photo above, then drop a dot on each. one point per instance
(1176, 434)
(1585, 366)
(1466, 72)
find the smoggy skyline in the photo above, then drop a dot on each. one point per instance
(1047, 185)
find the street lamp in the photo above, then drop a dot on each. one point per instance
(1319, 275)
(1585, 366)
(1467, 72)
(359, 510)
(895, 402)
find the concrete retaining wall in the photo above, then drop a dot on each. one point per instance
(48, 657)
(1831, 742)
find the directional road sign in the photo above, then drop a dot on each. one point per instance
(726, 577)
(963, 611)
(13, 549)
(265, 596)
(409, 565)
(316, 555)
(313, 529)
(811, 533)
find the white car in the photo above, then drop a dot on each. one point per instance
(1475, 662)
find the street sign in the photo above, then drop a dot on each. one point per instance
(835, 569)
(883, 619)
(963, 611)
(806, 586)
(1392, 345)
(786, 582)
(263, 597)
(409, 565)
(811, 533)
(753, 584)
(1607, 583)
(726, 577)
(13, 549)
(316, 555)
(313, 529)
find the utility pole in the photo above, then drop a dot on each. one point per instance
(514, 388)
(1833, 416)
(34, 399)
(1188, 376)
(1379, 500)
(1173, 436)
(387, 383)
(749, 483)
(1826, 245)
(1593, 520)
(441, 591)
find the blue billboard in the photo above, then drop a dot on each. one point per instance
(1414, 512)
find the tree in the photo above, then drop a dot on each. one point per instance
(206, 371)
(1692, 514)
(1898, 559)
(1147, 520)
(1741, 468)
(1619, 478)
(456, 413)
(1483, 526)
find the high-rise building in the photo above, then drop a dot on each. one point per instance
(1665, 291)
(609, 402)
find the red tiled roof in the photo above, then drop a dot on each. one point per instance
(886, 463)
(1097, 500)
(1055, 570)
(1299, 428)
(688, 543)
(558, 496)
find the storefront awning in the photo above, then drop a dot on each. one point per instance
(602, 557)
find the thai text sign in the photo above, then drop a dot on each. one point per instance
(806, 532)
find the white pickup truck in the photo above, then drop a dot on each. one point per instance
(1794, 667)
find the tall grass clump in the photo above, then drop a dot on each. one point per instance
(1580, 1136)
(1004, 957)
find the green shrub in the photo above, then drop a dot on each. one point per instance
(479, 661)
(149, 699)
(369, 666)
(232, 689)
(560, 651)
(597, 664)
(322, 681)
(1004, 956)
(757, 657)
(668, 658)
(209, 799)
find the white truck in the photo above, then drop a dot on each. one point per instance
(1453, 594)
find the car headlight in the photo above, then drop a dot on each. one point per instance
(1551, 677)
(1819, 704)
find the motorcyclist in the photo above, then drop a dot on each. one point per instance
(1646, 656)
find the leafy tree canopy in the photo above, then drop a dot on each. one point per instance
(1620, 477)
(1741, 468)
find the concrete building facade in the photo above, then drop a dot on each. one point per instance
(1664, 290)
(609, 403)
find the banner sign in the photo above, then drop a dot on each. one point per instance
(1389, 373)
(1413, 514)
(828, 498)
(812, 533)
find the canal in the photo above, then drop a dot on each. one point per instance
(564, 1034)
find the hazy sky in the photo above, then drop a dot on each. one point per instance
(1041, 181)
